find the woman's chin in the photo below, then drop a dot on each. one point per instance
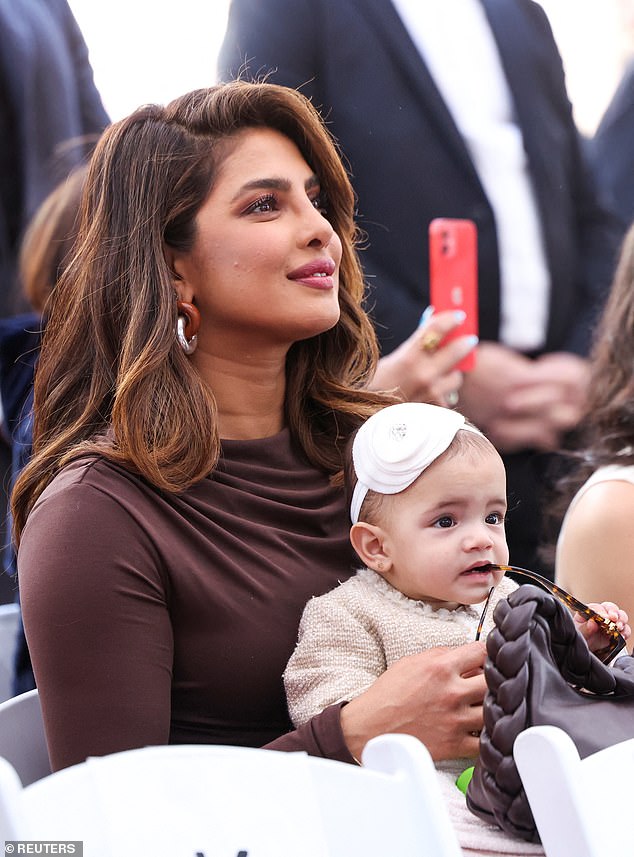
(317, 326)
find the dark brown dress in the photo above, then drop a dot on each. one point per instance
(153, 618)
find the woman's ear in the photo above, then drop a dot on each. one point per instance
(369, 542)
(184, 291)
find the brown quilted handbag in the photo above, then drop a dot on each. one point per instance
(539, 671)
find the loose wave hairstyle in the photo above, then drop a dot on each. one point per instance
(111, 378)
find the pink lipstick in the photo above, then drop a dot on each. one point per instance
(317, 274)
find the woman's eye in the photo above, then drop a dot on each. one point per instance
(444, 522)
(495, 518)
(264, 205)
(319, 202)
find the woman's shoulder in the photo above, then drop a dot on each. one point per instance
(76, 515)
(91, 471)
(606, 495)
(610, 473)
(92, 492)
(613, 483)
(596, 540)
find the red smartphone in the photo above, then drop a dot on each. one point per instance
(453, 276)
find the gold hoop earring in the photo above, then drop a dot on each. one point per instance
(187, 326)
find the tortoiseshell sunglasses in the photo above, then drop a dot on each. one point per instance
(615, 641)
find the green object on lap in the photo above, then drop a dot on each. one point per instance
(464, 779)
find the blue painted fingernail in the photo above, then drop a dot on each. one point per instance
(473, 340)
(427, 314)
(460, 315)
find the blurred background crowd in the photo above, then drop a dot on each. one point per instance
(595, 38)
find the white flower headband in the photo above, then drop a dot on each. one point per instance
(395, 445)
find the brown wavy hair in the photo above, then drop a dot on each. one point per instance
(605, 434)
(111, 378)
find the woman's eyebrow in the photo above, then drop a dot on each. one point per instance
(273, 184)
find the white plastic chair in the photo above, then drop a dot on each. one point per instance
(9, 615)
(22, 739)
(582, 807)
(215, 800)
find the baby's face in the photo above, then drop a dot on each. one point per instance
(447, 528)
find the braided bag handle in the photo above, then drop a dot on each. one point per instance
(529, 625)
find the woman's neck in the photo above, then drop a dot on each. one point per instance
(249, 393)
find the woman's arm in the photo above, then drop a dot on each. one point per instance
(436, 696)
(97, 626)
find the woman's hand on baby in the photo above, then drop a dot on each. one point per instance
(422, 369)
(436, 696)
(593, 632)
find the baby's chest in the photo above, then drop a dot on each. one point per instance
(411, 633)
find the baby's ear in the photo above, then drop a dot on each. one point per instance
(368, 540)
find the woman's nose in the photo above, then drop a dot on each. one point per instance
(319, 231)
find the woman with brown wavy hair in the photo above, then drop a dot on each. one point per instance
(595, 549)
(205, 361)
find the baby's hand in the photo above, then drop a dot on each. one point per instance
(593, 632)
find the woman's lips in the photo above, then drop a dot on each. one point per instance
(317, 274)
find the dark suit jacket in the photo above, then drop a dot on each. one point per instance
(47, 99)
(612, 148)
(408, 162)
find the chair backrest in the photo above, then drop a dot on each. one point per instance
(203, 801)
(9, 616)
(579, 805)
(22, 738)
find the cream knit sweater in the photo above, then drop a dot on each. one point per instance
(352, 634)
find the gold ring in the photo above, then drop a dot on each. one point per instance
(452, 398)
(430, 341)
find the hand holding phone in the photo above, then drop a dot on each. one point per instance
(453, 276)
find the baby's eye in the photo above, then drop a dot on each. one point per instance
(263, 205)
(495, 518)
(444, 522)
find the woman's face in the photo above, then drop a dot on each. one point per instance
(264, 268)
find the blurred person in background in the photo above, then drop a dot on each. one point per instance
(595, 547)
(44, 253)
(611, 148)
(48, 102)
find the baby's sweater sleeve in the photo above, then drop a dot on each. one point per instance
(338, 656)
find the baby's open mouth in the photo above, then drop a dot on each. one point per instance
(485, 568)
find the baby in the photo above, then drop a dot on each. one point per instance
(427, 501)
